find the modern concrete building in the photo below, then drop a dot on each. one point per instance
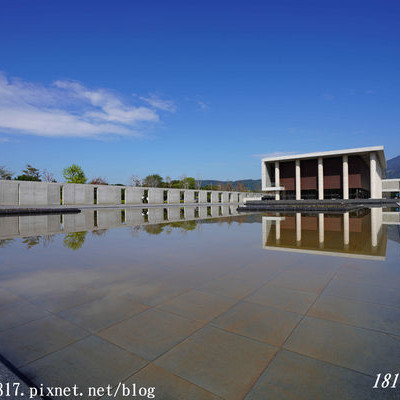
(341, 174)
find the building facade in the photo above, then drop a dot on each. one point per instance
(343, 174)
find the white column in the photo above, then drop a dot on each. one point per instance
(321, 230)
(372, 173)
(345, 177)
(298, 228)
(346, 230)
(320, 178)
(298, 178)
(277, 179)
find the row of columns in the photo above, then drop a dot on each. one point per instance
(345, 165)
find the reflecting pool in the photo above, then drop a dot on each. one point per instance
(203, 303)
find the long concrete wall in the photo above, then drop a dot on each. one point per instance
(14, 193)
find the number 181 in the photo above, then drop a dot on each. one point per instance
(385, 381)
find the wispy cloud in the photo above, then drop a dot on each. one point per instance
(69, 109)
(203, 106)
(159, 103)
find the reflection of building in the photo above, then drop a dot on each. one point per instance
(346, 235)
(345, 174)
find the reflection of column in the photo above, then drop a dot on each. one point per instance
(346, 230)
(278, 230)
(298, 178)
(298, 228)
(320, 178)
(321, 230)
(345, 177)
(277, 179)
(376, 224)
(372, 173)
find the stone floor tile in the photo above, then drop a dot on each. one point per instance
(150, 333)
(220, 362)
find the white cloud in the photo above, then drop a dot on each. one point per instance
(69, 109)
(159, 103)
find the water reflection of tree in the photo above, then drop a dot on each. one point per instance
(5, 242)
(33, 241)
(74, 240)
(99, 232)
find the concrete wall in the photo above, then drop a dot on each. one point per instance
(173, 196)
(109, 194)
(189, 196)
(134, 195)
(74, 194)
(202, 196)
(156, 196)
(13, 193)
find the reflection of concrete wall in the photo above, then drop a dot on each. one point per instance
(74, 194)
(156, 196)
(9, 193)
(78, 222)
(32, 225)
(108, 194)
(9, 227)
(202, 196)
(189, 196)
(215, 211)
(203, 212)
(174, 214)
(133, 216)
(225, 211)
(156, 215)
(134, 195)
(108, 218)
(189, 212)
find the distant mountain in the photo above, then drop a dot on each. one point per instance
(250, 184)
(393, 168)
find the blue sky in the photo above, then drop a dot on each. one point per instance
(198, 88)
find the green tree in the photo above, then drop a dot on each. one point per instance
(188, 183)
(153, 180)
(5, 173)
(74, 174)
(29, 174)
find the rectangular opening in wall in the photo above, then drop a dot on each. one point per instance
(165, 196)
(208, 197)
(95, 195)
(196, 212)
(209, 212)
(145, 197)
(95, 219)
(182, 196)
(123, 195)
(165, 214)
(219, 197)
(182, 213)
(220, 211)
(229, 197)
(61, 194)
(122, 216)
(196, 197)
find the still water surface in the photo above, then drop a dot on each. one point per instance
(202, 303)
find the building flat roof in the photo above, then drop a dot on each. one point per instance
(379, 149)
